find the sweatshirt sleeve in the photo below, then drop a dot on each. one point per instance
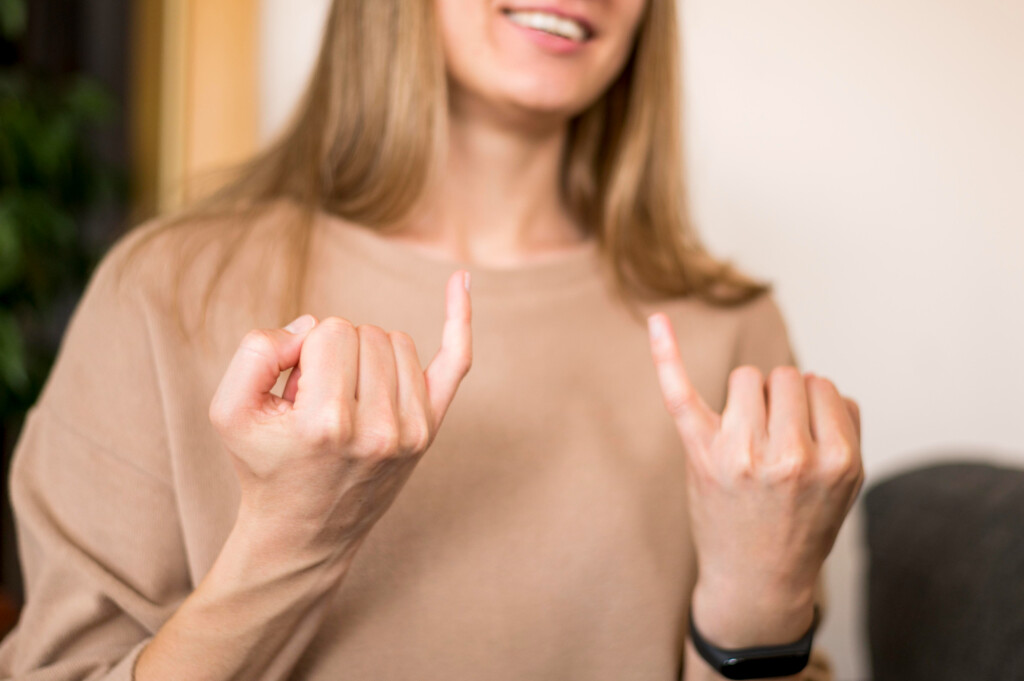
(764, 342)
(95, 513)
(764, 337)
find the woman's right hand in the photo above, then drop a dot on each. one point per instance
(319, 465)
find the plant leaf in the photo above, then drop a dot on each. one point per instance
(13, 372)
(13, 18)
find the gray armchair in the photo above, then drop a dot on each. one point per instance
(946, 574)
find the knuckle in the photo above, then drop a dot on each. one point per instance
(221, 415)
(741, 467)
(733, 458)
(332, 427)
(784, 373)
(746, 372)
(380, 441)
(843, 451)
(822, 383)
(850, 480)
(843, 460)
(401, 338)
(336, 325)
(791, 469)
(416, 437)
(371, 332)
(260, 342)
(423, 440)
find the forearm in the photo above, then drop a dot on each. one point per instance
(734, 620)
(257, 597)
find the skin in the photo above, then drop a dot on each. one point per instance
(317, 468)
(777, 481)
(498, 203)
(769, 483)
(776, 473)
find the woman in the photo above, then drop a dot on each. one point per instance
(194, 507)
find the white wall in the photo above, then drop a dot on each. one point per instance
(868, 157)
(289, 41)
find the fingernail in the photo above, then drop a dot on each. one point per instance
(303, 323)
(465, 280)
(656, 326)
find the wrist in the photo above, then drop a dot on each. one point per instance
(264, 549)
(734, 617)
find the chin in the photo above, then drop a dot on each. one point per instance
(511, 69)
(536, 113)
(548, 103)
(566, 88)
(541, 95)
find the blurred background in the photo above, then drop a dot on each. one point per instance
(64, 194)
(867, 157)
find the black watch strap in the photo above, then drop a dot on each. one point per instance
(761, 662)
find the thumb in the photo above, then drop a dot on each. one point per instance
(694, 419)
(255, 367)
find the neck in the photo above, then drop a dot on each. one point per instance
(498, 202)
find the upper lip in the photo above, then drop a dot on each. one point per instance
(587, 26)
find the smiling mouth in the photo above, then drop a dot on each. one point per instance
(556, 25)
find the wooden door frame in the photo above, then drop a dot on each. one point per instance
(196, 97)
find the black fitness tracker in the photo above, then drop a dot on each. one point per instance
(761, 662)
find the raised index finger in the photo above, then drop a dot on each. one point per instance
(691, 414)
(452, 361)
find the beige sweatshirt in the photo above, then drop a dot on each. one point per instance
(543, 536)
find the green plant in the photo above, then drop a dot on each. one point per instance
(50, 178)
(13, 17)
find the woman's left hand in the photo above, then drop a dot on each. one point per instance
(769, 483)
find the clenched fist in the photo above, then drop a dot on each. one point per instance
(319, 465)
(769, 483)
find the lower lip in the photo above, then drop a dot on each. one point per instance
(548, 41)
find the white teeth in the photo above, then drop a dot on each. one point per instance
(550, 23)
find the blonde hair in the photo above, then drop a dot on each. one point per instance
(368, 133)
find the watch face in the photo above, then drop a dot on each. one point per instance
(765, 667)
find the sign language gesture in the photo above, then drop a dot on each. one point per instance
(319, 465)
(769, 482)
